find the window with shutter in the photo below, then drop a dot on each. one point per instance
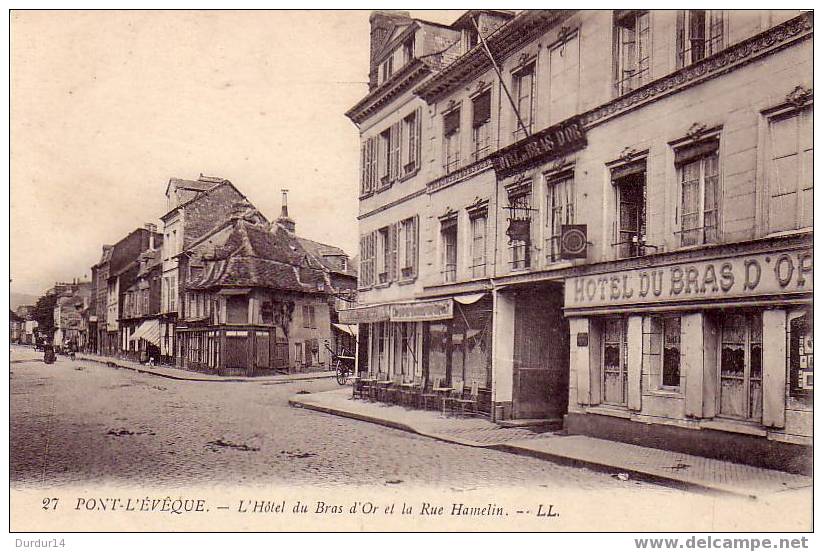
(384, 157)
(451, 140)
(632, 33)
(411, 139)
(790, 180)
(523, 91)
(698, 170)
(481, 125)
(384, 256)
(408, 256)
(700, 34)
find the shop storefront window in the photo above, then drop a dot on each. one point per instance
(671, 352)
(438, 348)
(408, 345)
(614, 372)
(381, 344)
(801, 355)
(741, 375)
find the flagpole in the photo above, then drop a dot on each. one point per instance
(500, 77)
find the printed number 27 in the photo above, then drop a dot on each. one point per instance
(50, 503)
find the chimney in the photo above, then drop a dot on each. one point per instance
(381, 22)
(284, 220)
(152, 229)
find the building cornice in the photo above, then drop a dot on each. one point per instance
(458, 175)
(391, 204)
(403, 80)
(744, 52)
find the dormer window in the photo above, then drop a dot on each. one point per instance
(408, 50)
(386, 70)
(470, 39)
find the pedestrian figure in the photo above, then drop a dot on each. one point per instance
(48, 354)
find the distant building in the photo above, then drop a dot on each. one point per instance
(258, 298)
(71, 316)
(111, 277)
(141, 309)
(16, 324)
(193, 209)
(29, 336)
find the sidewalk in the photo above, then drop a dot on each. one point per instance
(661, 466)
(178, 374)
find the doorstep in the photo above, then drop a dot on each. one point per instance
(543, 423)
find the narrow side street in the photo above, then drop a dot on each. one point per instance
(82, 422)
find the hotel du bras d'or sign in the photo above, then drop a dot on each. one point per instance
(739, 277)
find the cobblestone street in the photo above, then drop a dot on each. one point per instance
(82, 422)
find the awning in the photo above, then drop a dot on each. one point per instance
(469, 299)
(148, 330)
(350, 329)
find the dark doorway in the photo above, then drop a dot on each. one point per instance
(541, 353)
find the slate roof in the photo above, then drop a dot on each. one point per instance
(153, 260)
(254, 256)
(329, 256)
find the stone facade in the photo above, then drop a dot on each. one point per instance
(676, 155)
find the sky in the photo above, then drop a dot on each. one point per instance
(106, 106)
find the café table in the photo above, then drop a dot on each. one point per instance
(407, 386)
(444, 391)
(383, 385)
(370, 383)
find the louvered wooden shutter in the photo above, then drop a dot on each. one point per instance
(394, 151)
(418, 134)
(415, 243)
(361, 275)
(393, 252)
(363, 169)
(372, 254)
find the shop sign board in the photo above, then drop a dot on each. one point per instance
(777, 273)
(364, 315)
(415, 311)
(557, 140)
(422, 310)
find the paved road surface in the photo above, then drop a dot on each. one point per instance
(77, 422)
